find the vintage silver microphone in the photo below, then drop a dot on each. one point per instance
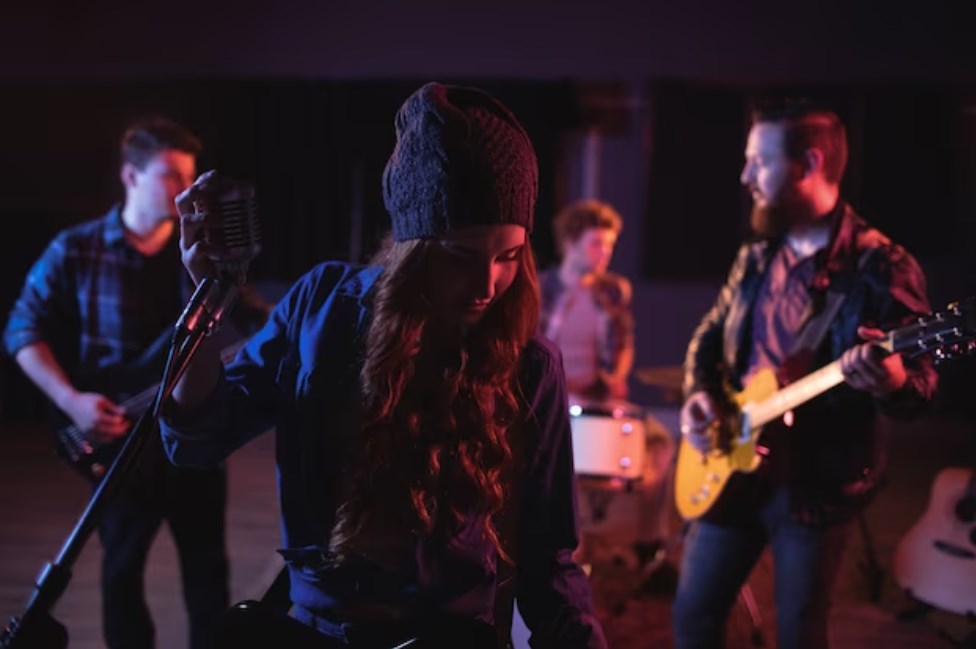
(231, 228)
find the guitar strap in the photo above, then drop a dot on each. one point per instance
(813, 331)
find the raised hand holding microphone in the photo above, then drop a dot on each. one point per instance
(218, 227)
(218, 237)
(196, 252)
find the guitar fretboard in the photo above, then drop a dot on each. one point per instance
(795, 394)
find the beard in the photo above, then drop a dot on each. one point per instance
(770, 221)
(774, 220)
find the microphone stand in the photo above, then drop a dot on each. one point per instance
(36, 628)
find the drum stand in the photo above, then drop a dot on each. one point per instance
(748, 601)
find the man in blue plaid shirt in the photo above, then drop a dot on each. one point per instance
(98, 296)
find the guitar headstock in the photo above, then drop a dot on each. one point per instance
(944, 334)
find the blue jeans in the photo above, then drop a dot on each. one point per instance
(718, 559)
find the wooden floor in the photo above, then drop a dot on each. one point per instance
(868, 613)
(41, 499)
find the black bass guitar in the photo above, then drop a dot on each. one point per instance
(128, 387)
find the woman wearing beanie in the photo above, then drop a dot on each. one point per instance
(423, 443)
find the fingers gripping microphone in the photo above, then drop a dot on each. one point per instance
(232, 232)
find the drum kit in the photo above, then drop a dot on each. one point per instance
(614, 441)
(623, 455)
(621, 447)
(608, 440)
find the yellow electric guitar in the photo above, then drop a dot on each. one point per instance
(701, 478)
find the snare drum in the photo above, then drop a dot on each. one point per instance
(608, 441)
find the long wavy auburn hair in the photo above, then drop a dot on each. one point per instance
(438, 405)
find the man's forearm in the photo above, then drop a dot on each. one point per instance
(39, 364)
(625, 362)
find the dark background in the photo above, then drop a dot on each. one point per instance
(299, 99)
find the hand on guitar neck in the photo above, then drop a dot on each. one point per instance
(869, 367)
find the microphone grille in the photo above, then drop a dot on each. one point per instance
(240, 228)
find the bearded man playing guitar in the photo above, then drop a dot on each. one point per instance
(814, 285)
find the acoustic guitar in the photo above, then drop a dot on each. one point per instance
(935, 562)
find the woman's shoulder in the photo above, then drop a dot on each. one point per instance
(541, 360)
(317, 288)
(329, 277)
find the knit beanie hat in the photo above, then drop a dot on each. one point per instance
(461, 158)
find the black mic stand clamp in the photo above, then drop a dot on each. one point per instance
(211, 301)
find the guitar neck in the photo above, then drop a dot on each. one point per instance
(141, 401)
(795, 394)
